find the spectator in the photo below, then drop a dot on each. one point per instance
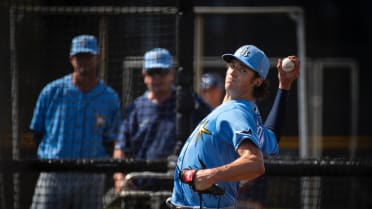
(148, 131)
(76, 117)
(212, 89)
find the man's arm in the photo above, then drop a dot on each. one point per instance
(276, 118)
(118, 177)
(248, 166)
(118, 154)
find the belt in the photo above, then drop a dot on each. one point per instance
(173, 206)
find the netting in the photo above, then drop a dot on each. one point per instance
(123, 32)
(288, 183)
(39, 38)
(40, 35)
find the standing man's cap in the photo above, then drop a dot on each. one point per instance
(157, 58)
(210, 80)
(252, 57)
(84, 44)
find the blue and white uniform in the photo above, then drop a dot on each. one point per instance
(214, 143)
(75, 125)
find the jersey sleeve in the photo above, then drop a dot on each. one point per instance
(270, 145)
(237, 126)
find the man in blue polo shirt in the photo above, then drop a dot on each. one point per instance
(76, 116)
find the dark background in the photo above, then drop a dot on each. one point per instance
(340, 29)
(333, 29)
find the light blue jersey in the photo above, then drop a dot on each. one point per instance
(214, 143)
(75, 124)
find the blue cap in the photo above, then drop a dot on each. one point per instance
(252, 57)
(209, 80)
(157, 58)
(84, 44)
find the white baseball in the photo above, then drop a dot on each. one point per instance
(288, 65)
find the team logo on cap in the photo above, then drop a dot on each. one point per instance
(158, 56)
(83, 43)
(244, 51)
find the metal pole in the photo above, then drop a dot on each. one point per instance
(184, 80)
(299, 18)
(317, 110)
(103, 47)
(354, 108)
(199, 50)
(302, 109)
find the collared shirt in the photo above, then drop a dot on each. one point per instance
(75, 124)
(148, 132)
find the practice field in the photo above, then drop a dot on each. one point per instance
(324, 161)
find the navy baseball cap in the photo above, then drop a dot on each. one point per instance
(157, 58)
(252, 57)
(209, 80)
(84, 44)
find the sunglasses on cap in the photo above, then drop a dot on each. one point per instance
(157, 71)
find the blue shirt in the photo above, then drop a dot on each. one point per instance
(75, 124)
(149, 130)
(214, 143)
